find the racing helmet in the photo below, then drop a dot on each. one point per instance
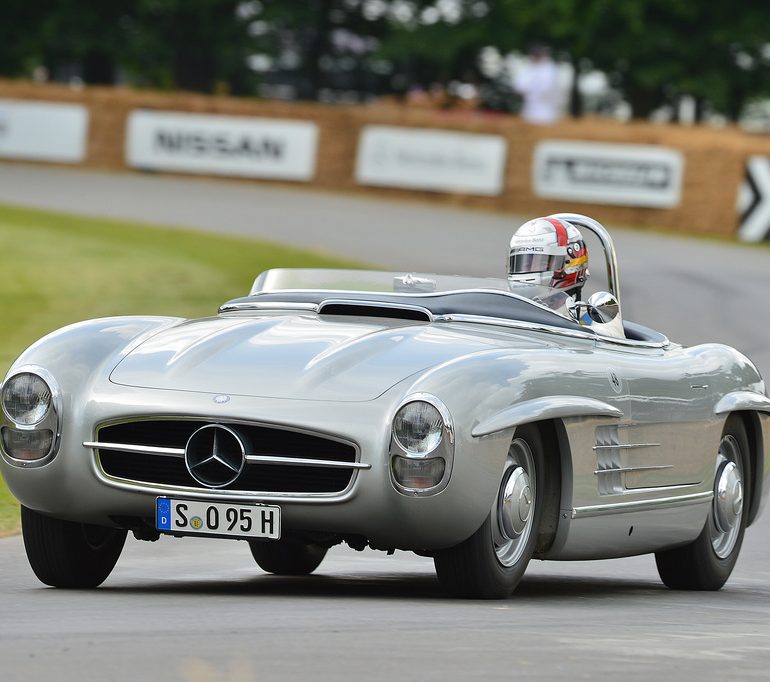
(548, 252)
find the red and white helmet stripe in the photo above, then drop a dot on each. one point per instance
(561, 230)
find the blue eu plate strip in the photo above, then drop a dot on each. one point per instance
(163, 506)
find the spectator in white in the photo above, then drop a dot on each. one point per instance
(537, 83)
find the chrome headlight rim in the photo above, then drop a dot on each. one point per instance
(444, 449)
(447, 430)
(14, 418)
(51, 421)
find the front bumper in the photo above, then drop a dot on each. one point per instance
(73, 486)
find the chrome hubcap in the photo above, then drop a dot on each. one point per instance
(728, 498)
(514, 506)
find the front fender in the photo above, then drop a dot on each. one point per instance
(74, 353)
(742, 401)
(77, 356)
(548, 407)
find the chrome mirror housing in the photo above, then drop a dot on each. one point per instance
(603, 307)
(601, 313)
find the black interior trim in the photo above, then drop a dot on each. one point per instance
(363, 310)
(638, 332)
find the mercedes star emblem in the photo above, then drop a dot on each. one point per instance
(215, 456)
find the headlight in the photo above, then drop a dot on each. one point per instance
(27, 445)
(418, 427)
(26, 399)
(30, 430)
(421, 446)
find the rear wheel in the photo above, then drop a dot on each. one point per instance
(67, 554)
(287, 558)
(706, 563)
(490, 563)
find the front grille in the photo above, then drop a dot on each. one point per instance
(258, 440)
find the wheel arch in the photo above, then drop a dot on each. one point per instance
(753, 428)
(559, 473)
(748, 406)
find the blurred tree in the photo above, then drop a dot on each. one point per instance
(441, 39)
(658, 50)
(68, 37)
(448, 35)
(326, 44)
(19, 37)
(190, 44)
(714, 51)
(589, 33)
(654, 51)
(200, 45)
(81, 38)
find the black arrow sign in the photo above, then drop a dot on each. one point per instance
(754, 200)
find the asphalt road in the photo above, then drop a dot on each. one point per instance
(199, 610)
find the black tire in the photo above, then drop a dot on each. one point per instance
(698, 566)
(287, 558)
(474, 568)
(67, 554)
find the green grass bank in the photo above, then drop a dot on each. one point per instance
(56, 269)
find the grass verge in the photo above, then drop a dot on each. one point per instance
(56, 269)
(9, 512)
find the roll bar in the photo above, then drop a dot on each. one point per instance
(601, 233)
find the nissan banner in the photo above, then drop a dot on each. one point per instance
(221, 145)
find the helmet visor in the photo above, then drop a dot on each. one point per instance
(524, 263)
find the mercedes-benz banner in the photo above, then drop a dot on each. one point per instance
(43, 131)
(604, 173)
(221, 145)
(437, 160)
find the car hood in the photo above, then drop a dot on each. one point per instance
(293, 356)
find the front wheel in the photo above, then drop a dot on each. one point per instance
(706, 563)
(287, 558)
(490, 563)
(67, 554)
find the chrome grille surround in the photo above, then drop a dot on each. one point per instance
(337, 455)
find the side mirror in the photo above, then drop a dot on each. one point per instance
(601, 312)
(603, 307)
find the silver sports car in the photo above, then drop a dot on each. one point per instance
(476, 422)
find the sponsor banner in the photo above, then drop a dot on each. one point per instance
(43, 131)
(221, 145)
(435, 160)
(603, 173)
(754, 201)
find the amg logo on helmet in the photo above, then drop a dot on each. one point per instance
(536, 249)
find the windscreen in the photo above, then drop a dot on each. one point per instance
(305, 279)
(316, 279)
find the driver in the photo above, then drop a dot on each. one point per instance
(549, 252)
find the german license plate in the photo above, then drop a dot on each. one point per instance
(195, 517)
